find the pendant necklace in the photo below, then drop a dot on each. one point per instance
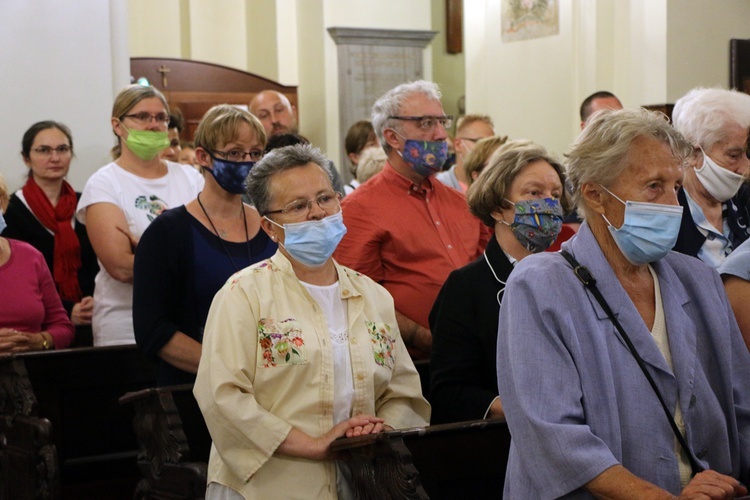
(221, 240)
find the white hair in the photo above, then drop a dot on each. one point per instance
(703, 115)
(390, 103)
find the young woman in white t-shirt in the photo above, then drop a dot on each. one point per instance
(122, 198)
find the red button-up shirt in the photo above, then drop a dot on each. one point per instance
(409, 237)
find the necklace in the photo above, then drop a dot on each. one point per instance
(221, 240)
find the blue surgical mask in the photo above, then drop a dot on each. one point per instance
(424, 157)
(230, 175)
(649, 231)
(312, 242)
(3, 225)
(537, 223)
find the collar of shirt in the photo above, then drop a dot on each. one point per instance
(346, 287)
(402, 182)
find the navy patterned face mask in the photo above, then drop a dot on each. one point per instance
(230, 175)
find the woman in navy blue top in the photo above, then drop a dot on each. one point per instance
(188, 253)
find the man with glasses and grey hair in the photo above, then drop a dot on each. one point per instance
(406, 230)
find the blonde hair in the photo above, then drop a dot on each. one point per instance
(371, 162)
(126, 100)
(220, 125)
(480, 155)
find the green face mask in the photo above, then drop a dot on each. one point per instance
(146, 144)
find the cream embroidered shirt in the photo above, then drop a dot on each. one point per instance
(267, 366)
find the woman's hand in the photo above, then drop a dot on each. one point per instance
(374, 425)
(83, 311)
(712, 485)
(13, 341)
(299, 444)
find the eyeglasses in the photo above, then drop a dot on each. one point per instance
(145, 118)
(239, 155)
(427, 123)
(47, 151)
(328, 202)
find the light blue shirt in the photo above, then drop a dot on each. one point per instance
(738, 262)
(576, 401)
(717, 245)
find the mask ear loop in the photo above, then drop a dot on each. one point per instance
(495, 275)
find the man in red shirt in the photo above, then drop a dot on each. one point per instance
(407, 230)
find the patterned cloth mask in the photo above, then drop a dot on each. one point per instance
(230, 175)
(424, 157)
(146, 144)
(537, 223)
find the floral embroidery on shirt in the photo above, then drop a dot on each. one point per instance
(382, 343)
(263, 266)
(280, 343)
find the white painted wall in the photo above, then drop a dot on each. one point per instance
(155, 27)
(66, 64)
(698, 34)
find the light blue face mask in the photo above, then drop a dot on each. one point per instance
(3, 225)
(312, 242)
(649, 231)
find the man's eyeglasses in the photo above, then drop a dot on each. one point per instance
(47, 151)
(328, 202)
(427, 123)
(145, 118)
(237, 155)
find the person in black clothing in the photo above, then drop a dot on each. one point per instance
(188, 253)
(41, 214)
(520, 194)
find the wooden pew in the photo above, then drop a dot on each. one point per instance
(462, 460)
(77, 390)
(173, 442)
(28, 457)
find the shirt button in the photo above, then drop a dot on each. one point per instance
(345, 293)
(353, 340)
(450, 247)
(360, 377)
(437, 222)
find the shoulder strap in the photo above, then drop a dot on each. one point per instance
(585, 276)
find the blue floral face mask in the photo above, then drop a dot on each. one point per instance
(424, 157)
(537, 223)
(649, 231)
(230, 175)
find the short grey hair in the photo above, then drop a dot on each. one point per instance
(390, 103)
(490, 191)
(703, 115)
(277, 161)
(601, 152)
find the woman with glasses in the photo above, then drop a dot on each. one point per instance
(122, 198)
(299, 350)
(189, 252)
(41, 214)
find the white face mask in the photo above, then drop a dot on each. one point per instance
(720, 183)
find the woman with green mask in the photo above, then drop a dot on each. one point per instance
(122, 198)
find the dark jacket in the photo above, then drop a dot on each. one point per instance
(463, 321)
(737, 214)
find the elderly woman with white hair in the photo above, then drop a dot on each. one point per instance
(622, 372)
(298, 350)
(717, 211)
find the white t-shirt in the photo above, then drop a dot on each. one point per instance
(141, 200)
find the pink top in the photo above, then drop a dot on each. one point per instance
(28, 299)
